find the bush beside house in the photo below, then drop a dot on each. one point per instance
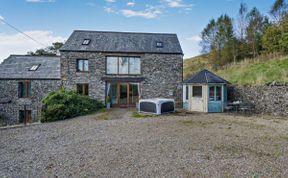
(61, 105)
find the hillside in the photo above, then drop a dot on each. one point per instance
(249, 72)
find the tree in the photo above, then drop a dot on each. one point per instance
(257, 24)
(271, 39)
(218, 40)
(278, 10)
(49, 51)
(275, 38)
(208, 37)
(242, 21)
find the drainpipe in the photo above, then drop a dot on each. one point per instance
(25, 115)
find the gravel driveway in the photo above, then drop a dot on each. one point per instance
(194, 145)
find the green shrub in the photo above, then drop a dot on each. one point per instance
(61, 104)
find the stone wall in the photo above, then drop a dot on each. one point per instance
(162, 74)
(9, 92)
(272, 100)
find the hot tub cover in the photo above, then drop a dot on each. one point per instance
(157, 105)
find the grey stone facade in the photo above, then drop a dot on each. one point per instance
(272, 100)
(9, 92)
(162, 73)
(161, 69)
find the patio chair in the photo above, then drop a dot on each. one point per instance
(228, 108)
(246, 107)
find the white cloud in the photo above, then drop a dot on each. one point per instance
(148, 13)
(110, 1)
(1, 18)
(177, 4)
(109, 10)
(195, 38)
(19, 44)
(191, 46)
(37, 1)
(131, 4)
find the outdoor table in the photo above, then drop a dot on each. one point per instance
(236, 104)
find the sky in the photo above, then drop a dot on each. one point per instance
(48, 21)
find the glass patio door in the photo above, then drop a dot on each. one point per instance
(133, 93)
(123, 94)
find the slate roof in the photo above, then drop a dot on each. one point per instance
(204, 77)
(17, 67)
(127, 42)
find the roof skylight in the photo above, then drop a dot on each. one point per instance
(159, 44)
(86, 42)
(34, 67)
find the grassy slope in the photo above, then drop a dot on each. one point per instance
(246, 72)
(193, 65)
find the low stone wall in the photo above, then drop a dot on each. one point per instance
(272, 100)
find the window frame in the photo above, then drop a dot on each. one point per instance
(215, 93)
(118, 63)
(161, 44)
(187, 92)
(83, 65)
(83, 43)
(36, 67)
(28, 89)
(197, 96)
(83, 87)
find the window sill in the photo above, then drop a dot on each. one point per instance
(82, 71)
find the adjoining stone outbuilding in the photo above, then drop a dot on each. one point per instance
(205, 92)
(24, 81)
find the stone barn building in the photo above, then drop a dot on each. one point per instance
(122, 65)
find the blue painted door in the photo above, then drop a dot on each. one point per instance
(215, 99)
(215, 106)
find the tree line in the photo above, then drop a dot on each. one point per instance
(224, 40)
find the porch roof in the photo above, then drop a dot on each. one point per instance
(205, 77)
(123, 79)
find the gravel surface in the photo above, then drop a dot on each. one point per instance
(178, 145)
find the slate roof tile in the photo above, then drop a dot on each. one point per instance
(17, 67)
(123, 42)
(204, 77)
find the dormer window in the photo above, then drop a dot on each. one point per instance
(86, 42)
(159, 44)
(34, 67)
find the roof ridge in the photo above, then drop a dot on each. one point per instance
(148, 33)
(206, 77)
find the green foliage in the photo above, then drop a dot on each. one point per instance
(257, 73)
(275, 38)
(49, 51)
(271, 39)
(218, 40)
(61, 104)
(253, 35)
(257, 24)
(195, 64)
(246, 72)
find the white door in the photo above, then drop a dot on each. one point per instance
(197, 100)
